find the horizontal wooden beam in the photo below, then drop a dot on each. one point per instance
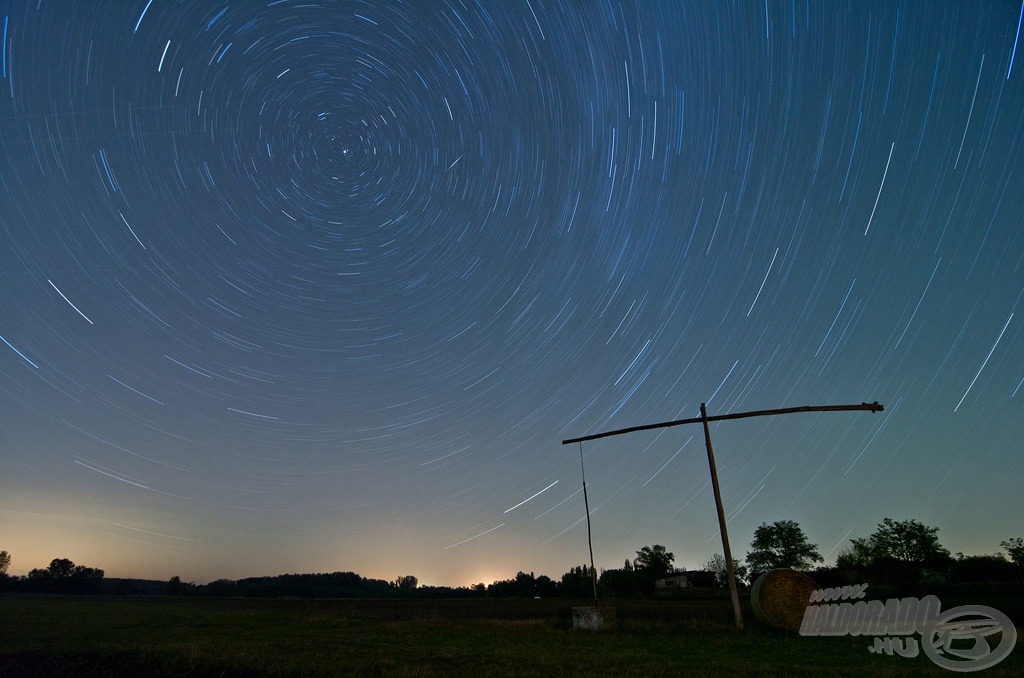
(868, 407)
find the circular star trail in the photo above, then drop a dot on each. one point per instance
(317, 286)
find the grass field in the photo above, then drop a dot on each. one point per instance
(48, 635)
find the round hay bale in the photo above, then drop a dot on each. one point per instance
(779, 598)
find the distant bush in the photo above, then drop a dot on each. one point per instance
(986, 568)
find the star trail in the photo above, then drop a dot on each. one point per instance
(308, 286)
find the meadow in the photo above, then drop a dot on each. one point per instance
(164, 636)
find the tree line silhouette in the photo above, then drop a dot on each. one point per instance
(62, 576)
(900, 556)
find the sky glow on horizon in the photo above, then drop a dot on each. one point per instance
(322, 286)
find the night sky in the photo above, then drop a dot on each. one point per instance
(308, 286)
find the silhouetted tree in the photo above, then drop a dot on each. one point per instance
(5, 561)
(63, 576)
(716, 564)
(856, 556)
(61, 568)
(907, 541)
(655, 561)
(903, 553)
(545, 587)
(524, 585)
(781, 544)
(578, 582)
(174, 586)
(406, 583)
(624, 582)
(1014, 549)
(651, 563)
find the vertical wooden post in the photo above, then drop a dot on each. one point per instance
(590, 543)
(730, 573)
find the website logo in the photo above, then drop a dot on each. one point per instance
(956, 639)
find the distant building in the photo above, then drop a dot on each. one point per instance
(671, 584)
(684, 583)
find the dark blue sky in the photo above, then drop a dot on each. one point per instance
(317, 286)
